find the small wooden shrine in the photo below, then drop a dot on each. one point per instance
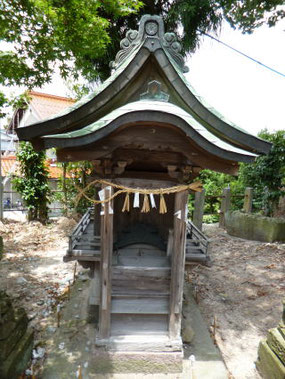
(148, 134)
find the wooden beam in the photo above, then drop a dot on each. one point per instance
(166, 146)
(105, 268)
(178, 262)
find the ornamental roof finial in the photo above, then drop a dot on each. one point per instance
(151, 35)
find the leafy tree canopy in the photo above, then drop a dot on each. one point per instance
(83, 36)
(73, 33)
(267, 174)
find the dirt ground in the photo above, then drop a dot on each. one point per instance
(243, 289)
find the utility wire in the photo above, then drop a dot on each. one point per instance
(241, 53)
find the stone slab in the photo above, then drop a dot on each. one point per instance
(255, 227)
(268, 363)
(276, 342)
(18, 360)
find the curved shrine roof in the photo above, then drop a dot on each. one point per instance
(190, 126)
(149, 42)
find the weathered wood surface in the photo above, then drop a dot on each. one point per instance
(146, 324)
(79, 229)
(199, 208)
(133, 305)
(170, 243)
(105, 269)
(94, 294)
(87, 248)
(196, 151)
(178, 262)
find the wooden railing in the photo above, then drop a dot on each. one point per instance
(79, 230)
(196, 235)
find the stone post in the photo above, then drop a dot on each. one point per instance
(248, 195)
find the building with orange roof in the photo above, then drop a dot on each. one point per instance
(40, 106)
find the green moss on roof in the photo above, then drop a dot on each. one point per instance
(156, 106)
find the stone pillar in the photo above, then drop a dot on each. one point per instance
(225, 206)
(247, 205)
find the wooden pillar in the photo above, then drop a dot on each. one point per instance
(97, 217)
(105, 266)
(178, 263)
(247, 205)
(94, 293)
(199, 208)
(225, 206)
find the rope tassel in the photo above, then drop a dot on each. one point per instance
(146, 205)
(162, 205)
(126, 206)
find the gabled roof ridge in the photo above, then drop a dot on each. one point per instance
(51, 96)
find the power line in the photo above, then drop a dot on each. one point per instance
(243, 54)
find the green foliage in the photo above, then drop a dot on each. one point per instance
(214, 183)
(3, 105)
(14, 102)
(32, 183)
(83, 36)
(249, 15)
(72, 33)
(75, 176)
(190, 18)
(267, 175)
(211, 218)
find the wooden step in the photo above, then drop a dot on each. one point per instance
(86, 246)
(135, 272)
(146, 324)
(159, 342)
(143, 261)
(129, 293)
(84, 255)
(89, 241)
(196, 257)
(194, 240)
(140, 305)
(194, 250)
